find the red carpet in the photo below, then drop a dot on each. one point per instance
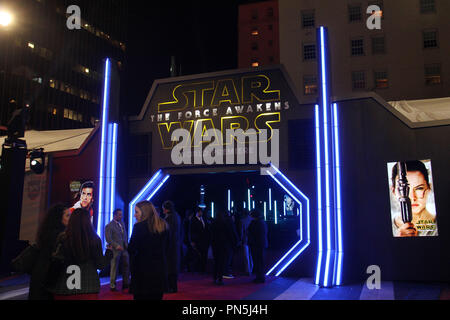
(198, 287)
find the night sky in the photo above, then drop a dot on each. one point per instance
(202, 37)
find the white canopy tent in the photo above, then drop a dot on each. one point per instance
(55, 140)
(424, 110)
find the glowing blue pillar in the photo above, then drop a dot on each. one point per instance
(265, 211)
(108, 156)
(330, 246)
(275, 211)
(270, 199)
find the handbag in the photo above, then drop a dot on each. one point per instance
(26, 260)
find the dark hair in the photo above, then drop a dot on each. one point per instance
(51, 226)
(80, 235)
(87, 184)
(415, 165)
(197, 209)
(168, 205)
(116, 211)
(155, 223)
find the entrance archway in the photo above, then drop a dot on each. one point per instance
(161, 176)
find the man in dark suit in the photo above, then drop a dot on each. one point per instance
(174, 246)
(200, 238)
(116, 237)
(243, 224)
(257, 241)
(224, 239)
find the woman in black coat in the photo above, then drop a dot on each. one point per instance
(54, 223)
(147, 249)
(78, 246)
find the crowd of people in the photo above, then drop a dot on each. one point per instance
(161, 245)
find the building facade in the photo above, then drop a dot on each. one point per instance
(395, 66)
(55, 71)
(258, 34)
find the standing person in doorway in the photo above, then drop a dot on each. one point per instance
(243, 224)
(230, 219)
(187, 250)
(200, 238)
(223, 240)
(174, 247)
(148, 249)
(116, 237)
(257, 241)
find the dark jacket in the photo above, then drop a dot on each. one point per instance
(39, 274)
(174, 245)
(187, 231)
(243, 224)
(223, 234)
(148, 263)
(90, 281)
(199, 235)
(257, 234)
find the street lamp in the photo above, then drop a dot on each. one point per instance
(5, 18)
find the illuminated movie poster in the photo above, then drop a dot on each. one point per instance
(84, 197)
(413, 209)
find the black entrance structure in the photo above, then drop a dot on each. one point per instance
(157, 181)
(364, 134)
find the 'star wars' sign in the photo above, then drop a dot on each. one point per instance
(243, 103)
(256, 100)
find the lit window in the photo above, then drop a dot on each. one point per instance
(358, 80)
(354, 13)
(255, 63)
(255, 32)
(30, 45)
(310, 85)
(309, 52)
(427, 6)
(432, 74)
(381, 79)
(37, 79)
(357, 47)
(430, 39)
(86, 70)
(52, 110)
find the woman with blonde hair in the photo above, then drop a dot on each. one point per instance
(147, 249)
